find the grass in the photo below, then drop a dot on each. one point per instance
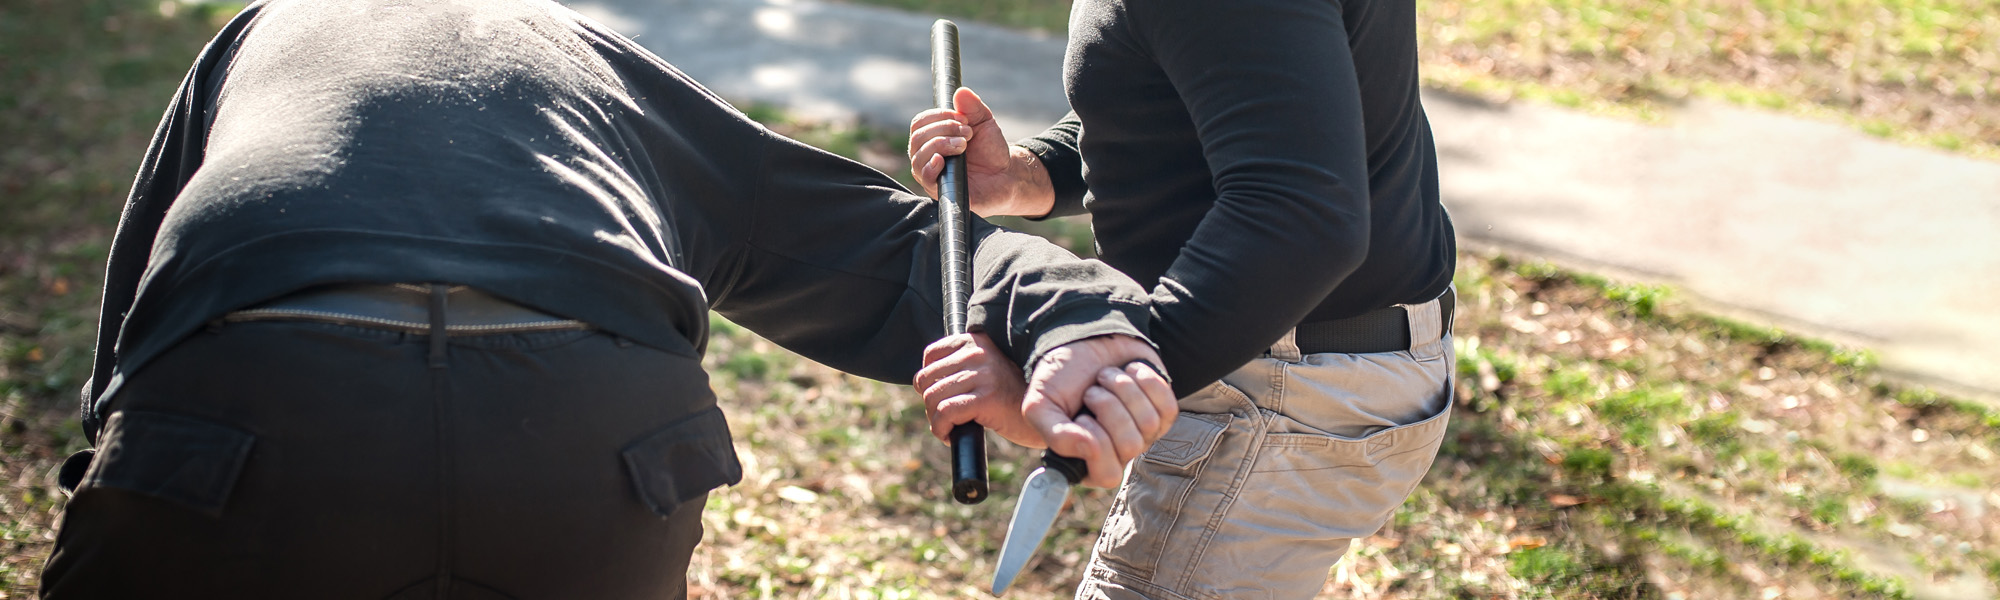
(1919, 72)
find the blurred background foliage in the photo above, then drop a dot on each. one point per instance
(1918, 71)
(1609, 442)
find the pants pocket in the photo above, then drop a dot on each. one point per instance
(1167, 497)
(683, 461)
(188, 461)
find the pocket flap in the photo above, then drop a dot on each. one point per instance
(1189, 441)
(682, 461)
(186, 460)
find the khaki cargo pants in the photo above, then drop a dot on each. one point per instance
(1269, 474)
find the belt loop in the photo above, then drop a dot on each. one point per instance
(438, 338)
(1427, 321)
(1287, 348)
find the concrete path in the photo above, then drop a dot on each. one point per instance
(1811, 226)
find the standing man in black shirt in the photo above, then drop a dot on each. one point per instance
(1266, 165)
(409, 301)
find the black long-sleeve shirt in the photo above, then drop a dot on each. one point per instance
(515, 146)
(1262, 163)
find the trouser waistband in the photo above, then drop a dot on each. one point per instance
(411, 308)
(1390, 329)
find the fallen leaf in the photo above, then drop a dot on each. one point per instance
(1904, 530)
(1526, 326)
(1756, 426)
(1527, 542)
(798, 495)
(1564, 500)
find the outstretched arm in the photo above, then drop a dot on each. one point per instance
(841, 265)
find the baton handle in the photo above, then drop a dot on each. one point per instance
(968, 440)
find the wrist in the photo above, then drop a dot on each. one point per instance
(1033, 193)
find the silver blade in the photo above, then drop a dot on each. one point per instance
(1041, 501)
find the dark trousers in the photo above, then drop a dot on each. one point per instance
(313, 460)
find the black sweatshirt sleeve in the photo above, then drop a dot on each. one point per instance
(1057, 149)
(842, 266)
(1271, 89)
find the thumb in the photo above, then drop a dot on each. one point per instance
(967, 103)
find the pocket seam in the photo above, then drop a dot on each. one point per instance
(660, 469)
(1202, 443)
(206, 459)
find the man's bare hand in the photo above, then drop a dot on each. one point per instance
(967, 379)
(1002, 179)
(1131, 405)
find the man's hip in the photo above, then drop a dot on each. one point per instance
(1269, 474)
(306, 458)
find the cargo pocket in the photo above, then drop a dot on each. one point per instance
(1335, 487)
(1146, 518)
(683, 461)
(183, 460)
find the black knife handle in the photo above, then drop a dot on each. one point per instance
(968, 440)
(1073, 469)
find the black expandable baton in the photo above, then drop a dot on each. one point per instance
(968, 440)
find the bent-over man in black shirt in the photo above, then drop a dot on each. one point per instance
(409, 300)
(1266, 166)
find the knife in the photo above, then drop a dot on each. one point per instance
(1042, 499)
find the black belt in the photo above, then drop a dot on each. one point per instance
(406, 307)
(1379, 330)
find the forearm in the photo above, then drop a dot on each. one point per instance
(843, 267)
(1032, 195)
(1059, 166)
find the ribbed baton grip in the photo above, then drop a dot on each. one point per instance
(968, 440)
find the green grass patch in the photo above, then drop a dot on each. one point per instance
(1857, 466)
(1638, 412)
(1547, 565)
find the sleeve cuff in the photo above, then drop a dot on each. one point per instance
(1077, 321)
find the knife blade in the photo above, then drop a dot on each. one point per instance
(1042, 499)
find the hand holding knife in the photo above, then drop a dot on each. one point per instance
(1042, 499)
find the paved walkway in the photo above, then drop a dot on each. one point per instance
(1807, 225)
